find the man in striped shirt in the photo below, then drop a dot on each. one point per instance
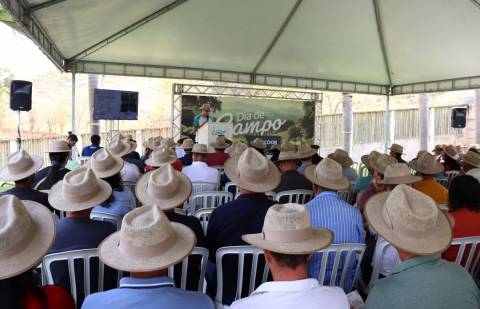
(328, 210)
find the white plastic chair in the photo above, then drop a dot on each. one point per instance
(197, 251)
(378, 255)
(240, 252)
(209, 199)
(102, 216)
(201, 186)
(219, 168)
(294, 196)
(70, 257)
(443, 182)
(203, 216)
(472, 253)
(347, 250)
(229, 185)
(345, 195)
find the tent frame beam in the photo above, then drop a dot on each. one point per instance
(44, 5)
(381, 37)
(461, 83)
(117, 35)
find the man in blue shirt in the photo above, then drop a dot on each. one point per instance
(146, 246)
(328, 210)
(89, 150)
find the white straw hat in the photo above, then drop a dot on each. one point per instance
(220, 143)
(426, 164)
(121, 146)
(27, 230)
(147, 241)
(288, 156)
(104, 164)
(366, 159)
(409, 220)
(161, 156)
(472, 158)
(168, 142)
(153, 142)
(58, 146)
(450, 151)
(20, 165)
(258, 143)
(306, 151)
(252, 171)
(164, 186)
(236, 149)
(287, 229)
(398, 173)
(342, 157)
(187, 143)
(396, 148)
(327, 174)
(79, 190)
(381, 162)
(200, 148)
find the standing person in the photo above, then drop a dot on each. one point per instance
(88, 151)
(27, 230)
(288, 242)
(58, 152)
(291, 179)
(121, 147)
(219, 157)
(427, 167)
(342, 158)
(199, 170)
(305, 154)
(201, 119)
(187, 146)
(396, 151)
(413, 224)
(259, 145)
(72, 140)
(21, 168)
(450, 158)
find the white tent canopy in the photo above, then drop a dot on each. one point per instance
(367, 46)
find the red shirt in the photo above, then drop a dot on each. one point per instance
(176, 165)
(55, 298)
(466, 225)
(217, 159)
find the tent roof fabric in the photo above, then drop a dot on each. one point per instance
(341, 45)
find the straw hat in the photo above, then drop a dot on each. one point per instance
(305, 151)
(161, 156)
(153, 142)
(474, 147)
(147, 241)
(121, 146)
(381, 162)
(398, 173)
(426, 164)
(168, 142)
(275, 147)
(27, 230)
(205, 107)
(372, 156)
(438, 148)
(220, 143)
(421, 153)
(396, 148)
(164, 186)
(451, 152)
(187, 144)
(200, 148)
(327, 174)
(236, 149)
(342, 157)
(258, 143)
(288, 156)
(287, 229)
(79, 190)
(104, 164)
(252, 171)
(20, 165)
(472, 158)
(58, 146)
(409, 220)
(287, 147)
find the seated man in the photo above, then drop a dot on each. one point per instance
(329, 211)
(259, 145)
(187, 146)
(413, 224)
(145, 249)
(121, 147)
(58, 152)
(305, 154)
(21, 168)
(254, 174)
(219, 157)
(287, 260)
(396, 151)
(342, 158)
(291, 178)
(160, 157)
(87, 151)
(199, 170)
(134, 157)
(427, 167)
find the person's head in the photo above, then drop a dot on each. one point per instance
(379, 164)
(341, 157)
(21, 168)
(396, 151)
(199, 153)
(470, 161)
(95, 139)
(121, 146)
(426, 165)
(438, 150)
(161, 156)
(306, 152)
(327, 176)
(464, 192)
(72, 139)
(367, 159)
(220, 144)
(205, 110)
(236, 149)
(58, 153)
(450, 154)
(259, 145)
(460, 148)
(397, 174)
(288, 161)
(187, 145)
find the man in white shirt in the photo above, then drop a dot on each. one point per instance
(288, 241)
(199, 170)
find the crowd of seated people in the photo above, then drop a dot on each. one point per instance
(405, 206)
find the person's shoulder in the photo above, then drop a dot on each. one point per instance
(335, 297)
(99, 299)
(57, 297)
(199, 300)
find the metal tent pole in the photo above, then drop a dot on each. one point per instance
(73, 102)
(386, 120)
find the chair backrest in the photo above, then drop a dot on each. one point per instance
(129, 184)
(345, 195)
(443, 181)
(241, 252)
(294, 196)
(219, 168)
(472, 254)
(202, 253)
(362, 170)
(204, 215)
(232, 188)
(378, 255)
(346, 256)
(201, 186)
(102, 216)
(86, 255)
(208, 199)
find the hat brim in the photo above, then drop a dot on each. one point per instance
(364, 160)
(184, 190)
(321, 238)
(31, 255)
(111, 255)
(307, 155)
(132, 146)
(438, 168)
(345, 163)
(151, 162)
(435, 241)
(399, 181)
(465, 159)
(112, 171)
(55, 197)
(7, 176)
(340, 185)
(396, 151)
(257, 146)
(271, 181)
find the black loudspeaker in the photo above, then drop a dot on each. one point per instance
(20, 95)
(459, 117)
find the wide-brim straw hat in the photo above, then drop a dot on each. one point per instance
(397, 174)
(161, 156)
(20, 165)
(426, 164)
(220, 143)
(80, 189)
(200, 149)
(287, 229)
(147, 241)
(327, 174)
(236, 149)
(365, 159)
(305, 151)
(258, 143)
(252, 171)
(168, 142)
(104, 164)
(451, 152)
(153, 142)
(342, 157)
(396, 148)
(121, 146)
(409, 220)
(472, 158)
(164, 186)
(58, 147)
(26, 233)
(381, 162)
(288, 156)
(187, 144)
